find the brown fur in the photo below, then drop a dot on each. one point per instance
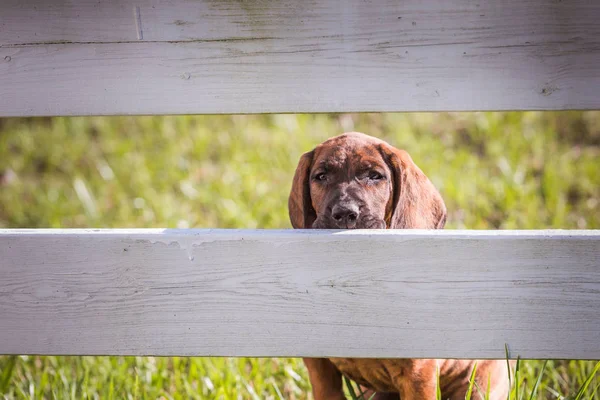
(357, 181)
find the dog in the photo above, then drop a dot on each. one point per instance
(355, 181)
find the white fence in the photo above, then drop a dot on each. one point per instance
(452, 294)
(461, 294)
(180, 57)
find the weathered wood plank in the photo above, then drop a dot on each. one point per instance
(150, 57)
(301, 293)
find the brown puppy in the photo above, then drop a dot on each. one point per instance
(354, 181)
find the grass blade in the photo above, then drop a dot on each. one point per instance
(537, 382)
(438, 390)
(7, 372)
(471, 383)
(516, 376)
(136, 387)
(350, 388)
(595, 391)
(508, 369)
(274, 384)
(583, 388)
(361, 395)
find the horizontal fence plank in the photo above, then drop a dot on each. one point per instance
(142, 57)
(448, 294)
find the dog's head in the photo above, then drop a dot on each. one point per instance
(355, 181)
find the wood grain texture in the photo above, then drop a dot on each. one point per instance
(180, 57)
(462, 294)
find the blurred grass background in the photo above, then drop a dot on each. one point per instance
(495, 171)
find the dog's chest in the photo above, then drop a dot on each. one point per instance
(377, 374)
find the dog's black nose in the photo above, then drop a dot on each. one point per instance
(345, 216)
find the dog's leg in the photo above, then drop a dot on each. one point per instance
(413, 391)
(419, 383)
(325, 379)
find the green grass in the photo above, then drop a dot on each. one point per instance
(495, 170)
(154, 377)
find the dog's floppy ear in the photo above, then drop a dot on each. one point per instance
(302, 213)
(416, 203)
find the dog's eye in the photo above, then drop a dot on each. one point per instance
(320, 176)
(375, 176)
